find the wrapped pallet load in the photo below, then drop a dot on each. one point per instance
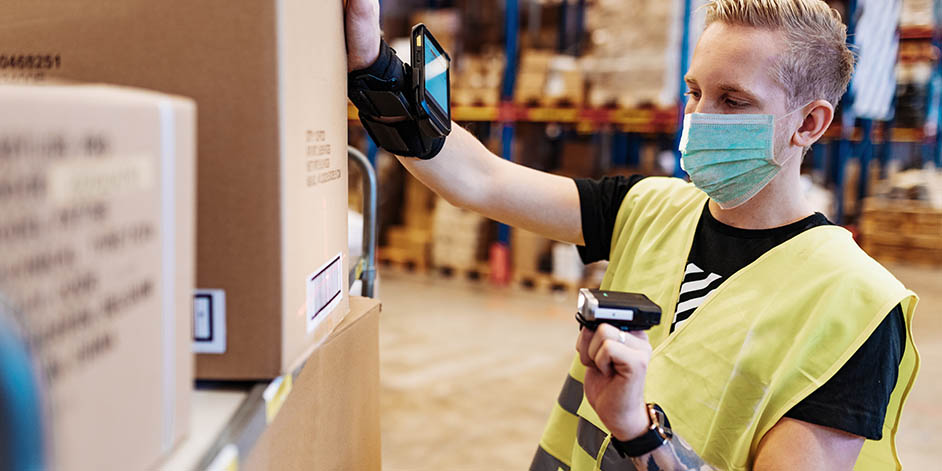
(649, 74)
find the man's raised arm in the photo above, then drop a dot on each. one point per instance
(465, 172)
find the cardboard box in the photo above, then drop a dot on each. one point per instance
(269, 77)
(330, 420)
(526, 249)
(97, 197)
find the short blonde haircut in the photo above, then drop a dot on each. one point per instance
(817, 63)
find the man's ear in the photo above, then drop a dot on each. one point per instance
(818, 116)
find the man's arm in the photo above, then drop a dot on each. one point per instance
(468, 175)
(616, 365)
(791, 445)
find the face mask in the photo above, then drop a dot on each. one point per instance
(731, 157)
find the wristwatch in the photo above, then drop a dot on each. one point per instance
(658, 433)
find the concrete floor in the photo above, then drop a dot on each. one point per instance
(469, 372)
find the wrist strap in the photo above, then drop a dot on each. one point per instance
(384, 96)
(650, 441)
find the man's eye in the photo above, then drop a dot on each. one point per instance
(693, 93)
(736, 104)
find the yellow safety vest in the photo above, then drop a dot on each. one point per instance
(760, 343)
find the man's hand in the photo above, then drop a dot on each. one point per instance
(616, 364)
(363, 33)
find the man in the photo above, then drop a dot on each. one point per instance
(783, 345)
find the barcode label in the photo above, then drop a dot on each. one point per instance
(324, 291)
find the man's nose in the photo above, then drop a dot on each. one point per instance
(703, 106)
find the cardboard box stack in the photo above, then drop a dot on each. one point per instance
(445, 25)
(330, 420)
(531, 76)
(527, 249)
(273, 167)
(917, 13)
(568, 268)
(904, 223)
(477, 79)
(648, 73)
(410, 242)
(549, 79)
(97, 236)
(459, 237)
(564, 82)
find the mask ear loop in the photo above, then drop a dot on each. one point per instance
(775, 121)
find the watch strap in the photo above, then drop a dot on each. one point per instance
(652, 439)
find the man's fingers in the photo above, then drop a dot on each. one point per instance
(591, 343)
(603, 357)
(637, 339)
(616, 358)
(603, 333)
(582, 346)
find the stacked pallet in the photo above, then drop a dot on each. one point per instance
(564, 82)
(548, 79)
(531, 76)
(527, 250)
(632, 66)
(917, 13)
(409, 244)
(459, 238)
(445, 24)
(477, 80)
(901, 231)
(530, 253)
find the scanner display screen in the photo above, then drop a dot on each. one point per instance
(436, 75)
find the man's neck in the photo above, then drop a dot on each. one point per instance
(780, 203)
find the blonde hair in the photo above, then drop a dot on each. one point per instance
(817, 63)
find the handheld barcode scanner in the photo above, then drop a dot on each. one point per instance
(627, 311)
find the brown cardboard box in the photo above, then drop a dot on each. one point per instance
(269, 77)
(526, 249)
(418, 203)
(459, 237)
(97, 236)
(330, 420)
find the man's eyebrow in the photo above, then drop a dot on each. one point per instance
(690, 80)
(734, 88)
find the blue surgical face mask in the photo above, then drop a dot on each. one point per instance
(731, 157)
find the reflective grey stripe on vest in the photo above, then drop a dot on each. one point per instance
(591, 438)
(571, 396)
(543, 461)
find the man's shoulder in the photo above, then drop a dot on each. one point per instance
(656, 185)
(830, 255)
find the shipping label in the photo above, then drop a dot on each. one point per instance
(209, 321)
(324, 291)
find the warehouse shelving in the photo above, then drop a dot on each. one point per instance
(643, 121)
(622, 132)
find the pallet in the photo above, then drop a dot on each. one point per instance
(901, 231)
(542, 282)
(903, 254)
(475, 97)
(540, 100)
(900, 217)
(478, 272)
(404, 259)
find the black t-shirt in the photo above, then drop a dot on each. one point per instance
(855, 398)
